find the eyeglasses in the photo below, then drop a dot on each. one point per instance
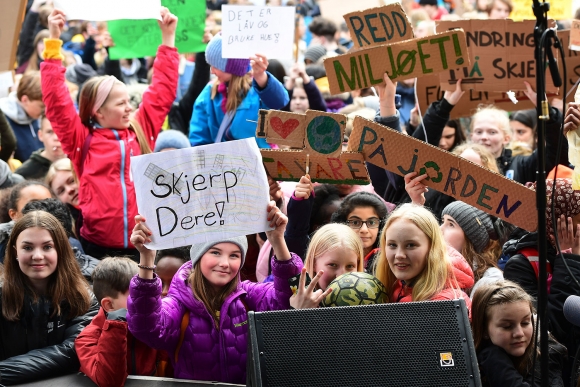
(357, 223)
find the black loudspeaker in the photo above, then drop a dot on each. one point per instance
(399, 344)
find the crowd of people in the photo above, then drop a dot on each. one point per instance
(81, 292)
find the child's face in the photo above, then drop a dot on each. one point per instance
(116, 111)
(407, 249)
(510, 327)
(65, 187)
(166, 269)
(452, 233)
(37, 256)
(487, 132)
(222, 76)
(34, 108)
(221, 263)
(335, 263)
(367, 235)
(32, 192)
(51, 142)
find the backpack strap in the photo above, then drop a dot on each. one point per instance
(184, 324)
(84, 152)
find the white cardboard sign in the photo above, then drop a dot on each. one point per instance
(104, 10)
(202, 194)
(247, 30)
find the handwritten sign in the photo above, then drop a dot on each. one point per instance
(403, 60)
(377, 26)
(575, 35)
(501, 54)
(318, 137)
(572, 65)
(248, 30)
(6, 82)
(559, 10)
(10, 23)
(104, 10)
(139, 38)
(448, 173)
(202, 194)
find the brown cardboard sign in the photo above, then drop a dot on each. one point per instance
(11, 19)
(501, 54)
(572, 65)
(575, 36)
(324, 133)
(448, 173)
(408, 59)
(380, 25)
(283, 128)
(320, 144)
(428, 90)
(290, 165)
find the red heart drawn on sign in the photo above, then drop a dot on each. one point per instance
(284, 128)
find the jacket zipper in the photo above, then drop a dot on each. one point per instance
(124, 188)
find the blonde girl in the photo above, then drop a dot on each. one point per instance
(413, 263)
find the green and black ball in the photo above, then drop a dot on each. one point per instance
(355, 288)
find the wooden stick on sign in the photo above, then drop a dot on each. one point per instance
(296, 32)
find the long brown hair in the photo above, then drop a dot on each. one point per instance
(238, 88)
(87, 101)
(33, 61)
(65, 284)
(497, 293)
(480, 262)
(204, 292)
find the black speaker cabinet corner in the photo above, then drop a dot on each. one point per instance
(402, 344)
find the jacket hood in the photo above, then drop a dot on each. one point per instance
(514, 245)
(14, 110)
(461, 269)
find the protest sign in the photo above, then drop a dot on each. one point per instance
(319, 138)
(501, 54)
(290, 165)
(377, 26)
(139, 38)
(428, 90)
(104, 10)
(6, 82)
(10, 23)
(575, 35)
(335, 9)
(448, 173)
(202, 194)
(559, 10)
(247, 30)
(572, 66)
(408, 59)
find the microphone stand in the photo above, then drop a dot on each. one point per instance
(543, 42)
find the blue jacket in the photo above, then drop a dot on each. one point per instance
(208, 115)
(25, 128)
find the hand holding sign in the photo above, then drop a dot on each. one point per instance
(259, 65)
(56, 21)
(279, 221)
(387, 91)
(415, 187)
(304, 188)
(453, 97)
(141, 235)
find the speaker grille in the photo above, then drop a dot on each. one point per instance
(388, 345)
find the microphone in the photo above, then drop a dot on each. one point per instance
(572, 310)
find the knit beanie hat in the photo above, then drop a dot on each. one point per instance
(198, 250)
(79, 73)
(213, 56)
(314, 53)
(171, 138)
(476, 224)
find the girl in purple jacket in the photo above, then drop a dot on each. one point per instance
(208, 293)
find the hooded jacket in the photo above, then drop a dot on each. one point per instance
(25, 128)
(463, 274)
(40, 346)
(207, 352)
(36, 167)
(106, 190)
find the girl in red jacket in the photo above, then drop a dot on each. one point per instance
(101, 139)
(413, 263)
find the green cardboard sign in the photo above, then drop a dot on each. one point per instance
(139, 38)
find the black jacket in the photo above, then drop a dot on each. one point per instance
(36, 167)
(497, 368)
(524, 167)
(39, 346)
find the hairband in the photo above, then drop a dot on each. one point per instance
(103, 91)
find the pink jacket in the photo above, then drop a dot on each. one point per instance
(106, 191)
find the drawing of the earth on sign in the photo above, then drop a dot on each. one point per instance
(324, 134)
